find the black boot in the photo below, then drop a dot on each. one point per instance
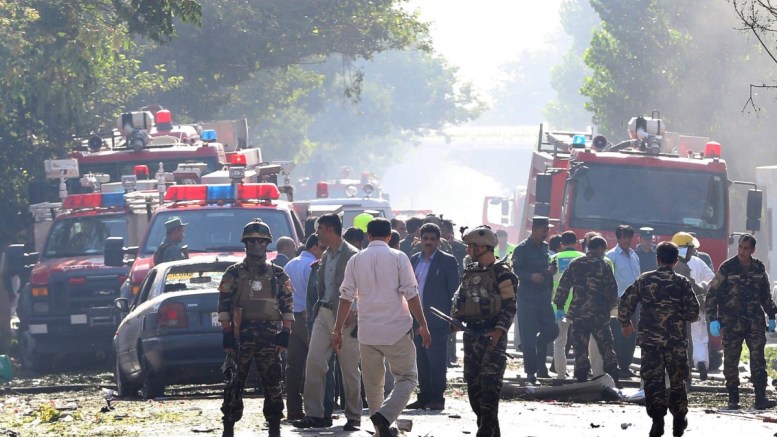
(274, 427)
(761, 401)
(229, 429)
(733, 399)
(678, 425)
(657, 429)
(702, 366)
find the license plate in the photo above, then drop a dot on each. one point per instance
(78, 319)
(214, 320)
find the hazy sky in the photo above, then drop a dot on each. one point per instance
(480, 36)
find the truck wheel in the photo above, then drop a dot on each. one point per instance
(123, 387)
(153, 386)
(32, 360)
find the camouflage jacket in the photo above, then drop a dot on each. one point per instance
(737, 295)
(595, 289)
(229, 286)
(668, 304)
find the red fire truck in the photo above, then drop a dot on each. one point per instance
(67, 305)
(141, 140)
(586, 184)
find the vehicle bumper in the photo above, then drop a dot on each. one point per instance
(187, 358)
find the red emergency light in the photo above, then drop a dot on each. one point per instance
(181, 193)
(221, 193)
(140, 170)
(237, 159)
(80, 201)
(322, 190)
(258, 191)
(712, 149)
(163, 116)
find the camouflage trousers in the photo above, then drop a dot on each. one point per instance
(732, 351)
(255, 347)
(582, 330)
(483, 372)
(658, 361)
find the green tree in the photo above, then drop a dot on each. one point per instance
(57, 58)
(567, 111)
(238, 39)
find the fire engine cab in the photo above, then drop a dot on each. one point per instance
(584, 183)
(66, 306)
(215, 215)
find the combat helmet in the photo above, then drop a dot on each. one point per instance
(481, 235)
(256, 229)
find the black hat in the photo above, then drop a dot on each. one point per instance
(540, 222)
(646, 232)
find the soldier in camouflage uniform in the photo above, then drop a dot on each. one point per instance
(485, 301)
(264, 296)
(736, 302)
(595, 295)
(668, 307)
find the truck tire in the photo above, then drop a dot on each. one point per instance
(33, 361)
(153, 385)
(123, 387)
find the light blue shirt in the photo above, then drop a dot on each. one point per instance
(422, 271)
(298, 270)
(626, 267)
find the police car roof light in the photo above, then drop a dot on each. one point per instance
(218, 192)
(258, 191)
(113, 199)
(80, 201)
(180, 193)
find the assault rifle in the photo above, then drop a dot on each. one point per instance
(460, 326)
(233, 390)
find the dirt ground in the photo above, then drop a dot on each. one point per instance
(79, 414)
(195, 412)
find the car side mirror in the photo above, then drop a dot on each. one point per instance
(754, 208)
(122, 304)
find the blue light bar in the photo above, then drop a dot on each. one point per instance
(578, 141)
(113, 199)
(220, 192)
(209, 135)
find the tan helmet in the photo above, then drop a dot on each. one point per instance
(256, 229)
(684, 239)
(482, 236)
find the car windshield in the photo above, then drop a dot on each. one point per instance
(216, 229)
(666, 199)
(84, 235)
(200, 277)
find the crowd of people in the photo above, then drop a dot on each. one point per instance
(369, 315)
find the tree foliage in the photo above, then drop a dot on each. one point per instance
(69, 67)
(567, 111)
(664, 55)
(58, 60)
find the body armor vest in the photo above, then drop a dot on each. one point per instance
(160, 252)
(258, 295)
(478, 296)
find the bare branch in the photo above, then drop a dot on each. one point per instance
(751, 101)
